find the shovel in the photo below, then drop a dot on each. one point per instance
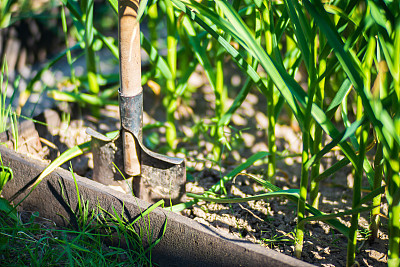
(154, 176)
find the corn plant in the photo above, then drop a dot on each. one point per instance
(339, 48)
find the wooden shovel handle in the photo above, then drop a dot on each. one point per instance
(130, 74)
(129, 48)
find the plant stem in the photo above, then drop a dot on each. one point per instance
(171, 86)
(352, 241)
(272, 148)
(393, 196)
(219, 107)
(89, 51)
(305, 153)
(376, 202)
(319, 100)
(393, 181)
(68, 53)
(152, 24)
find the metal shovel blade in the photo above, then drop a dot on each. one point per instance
(162, 177)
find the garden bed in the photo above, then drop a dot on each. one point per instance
(268, 223)
(185, 242)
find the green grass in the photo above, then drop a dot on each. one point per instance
(93, 238)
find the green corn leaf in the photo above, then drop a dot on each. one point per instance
(372, 195)
(225, 119)
(332, 170)
(243, 35)
(80, 98)
(89, 34)
(379, 16)
(109, 43)
(385, 48)
(200, 52)
(183, 81)
(282, 193)
(339, 139)
(64, 157)
(141, 9)
(181, 206)
(326, 217)
(114, 5)
(8, 209)
(237, 56)
(250, 161)
(302, 39)
(338, 99)
(73, 8)
(335, 10)
(156, 58)
(295, 199)
(29, 88)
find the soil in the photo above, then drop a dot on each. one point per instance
(269, 222)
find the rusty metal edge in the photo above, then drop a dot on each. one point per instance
(185, 243)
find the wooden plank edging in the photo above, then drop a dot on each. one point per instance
(185, 243)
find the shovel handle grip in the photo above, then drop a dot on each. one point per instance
(129, 47)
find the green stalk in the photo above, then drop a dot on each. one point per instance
(393, 196)
(393, 192)
(352, 241)
(376, 202)
(272, 148)
(171, 86)
(301, 207)
(88, 6)
(219, 95)
(394, 239)
(152, 13)
(378, 161)
(318, 132)
(68, 52)
(219, 108)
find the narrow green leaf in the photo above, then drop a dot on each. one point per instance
(114, 5)
(8, 209)
(156, 58)
(326, 217)
(333, 169)
(149, 209)
(333, 222)
(372, 195)
(181, 206)
(29, 87)
(250, 161)
(141, 9)
(302, 39)
(64, 157)
(282, 193)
